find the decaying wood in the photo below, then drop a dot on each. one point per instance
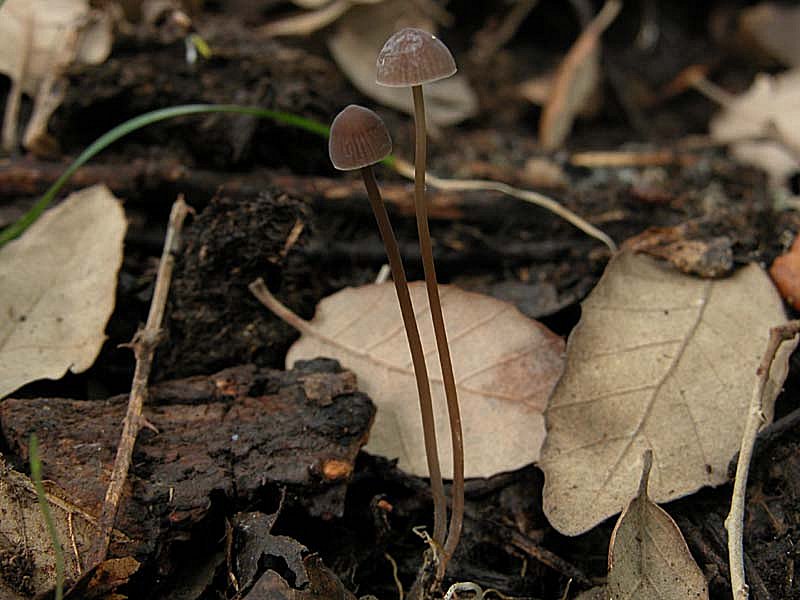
(239, 433)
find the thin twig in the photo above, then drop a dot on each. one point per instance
(734, 523)
(144, 345)
(460, 185)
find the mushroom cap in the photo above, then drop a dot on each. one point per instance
(358, 139)
(413, 57)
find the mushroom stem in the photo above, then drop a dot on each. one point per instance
(448, 379)
(417, 354)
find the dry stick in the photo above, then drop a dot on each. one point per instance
(448, 379)
(461, 185)
(417, 354)
(144, 344)
(734, 523)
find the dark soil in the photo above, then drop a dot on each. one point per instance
(270, 205)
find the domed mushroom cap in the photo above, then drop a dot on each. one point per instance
(358, 139)
(413, 57)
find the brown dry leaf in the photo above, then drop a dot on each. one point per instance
(773, 29)
(576, 80)
(25, 543)
(648, 557)
(710, 257)
(770, 108)
(505, 366)
(358, 39)
(58, 288)
(595, 593)
(658, 360)
(785, 272)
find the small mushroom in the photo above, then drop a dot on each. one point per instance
(358, 140)
(411, 58)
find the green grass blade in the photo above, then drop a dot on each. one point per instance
(36, 476)
(111, 136)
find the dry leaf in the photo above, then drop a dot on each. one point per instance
(58, 287)
(658, 360)
(773, 29)
(648, 557)
(25, 543)
(358, 39)
(595, 593)
(785, 272)
(60, 32)
(505, 366)
(576, 80)
(770, 108)
(39, 39)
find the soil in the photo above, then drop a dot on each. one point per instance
(268, 204)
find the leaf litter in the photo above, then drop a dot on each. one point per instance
(648, 557)
(505, 366)
(662, 361)
(58, 289)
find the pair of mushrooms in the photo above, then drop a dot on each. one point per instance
(358, 140)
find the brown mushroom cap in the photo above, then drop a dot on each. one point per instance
(413, 57)
(358, 139)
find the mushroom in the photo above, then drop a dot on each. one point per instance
(411, 58)
(358, 140)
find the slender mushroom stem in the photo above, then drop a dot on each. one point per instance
(448, 379)
(417, 355)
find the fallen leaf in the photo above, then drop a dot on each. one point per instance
(25, 543)
(785, 272)
(322, 584)
(255, 544)
(658, 360)
(576, 80)
(595, 593)
(358, 39)
(773, 29)
(58, 287)
(711, 258)
(100, 581)
(648, 557)
(505, 367)
(39, 39)
(60, 29)
(771, 109)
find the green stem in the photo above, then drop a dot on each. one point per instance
(36, 476)
(120, 131)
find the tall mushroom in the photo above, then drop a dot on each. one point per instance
(358, 140)
(411, 58)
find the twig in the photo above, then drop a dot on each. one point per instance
(144, 344)
(407, 170)
(734, 523)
